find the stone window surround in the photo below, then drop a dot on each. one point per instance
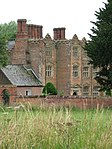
(94, 71)
(75, 52)
(28, 92)
(49, 52)
(85, 91)
(49, 70)
(85, 73)
(95, 91)
(75, 70)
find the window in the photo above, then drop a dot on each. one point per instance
(94, 72)
(85, 90)
(84, 54)
(49, 71)
(95, 91)
(75, 71)
(75, 52)
(85, 72)
(49, 53)
(28, 93)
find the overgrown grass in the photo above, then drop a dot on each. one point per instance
(55, 128)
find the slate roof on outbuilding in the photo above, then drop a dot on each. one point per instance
(19, 75)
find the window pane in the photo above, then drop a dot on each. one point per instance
(27, 92)
(48, 71)
(85, 91)
(85, 72)
(94, 72)
(95, 91)
(75, 71)
(75, 52)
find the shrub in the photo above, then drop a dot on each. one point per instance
(50, 89)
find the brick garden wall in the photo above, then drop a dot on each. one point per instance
(81, 103)
(67, 101)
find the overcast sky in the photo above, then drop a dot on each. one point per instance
(75, 15)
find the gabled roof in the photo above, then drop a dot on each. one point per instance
(19, 75)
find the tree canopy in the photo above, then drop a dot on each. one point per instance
(7, 33)
(99, 47)
(8, 30)
(3, 52)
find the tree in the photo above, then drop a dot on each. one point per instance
(3, 52)
(99, 47)
(8, 30)
(49, 88)
(5, 97)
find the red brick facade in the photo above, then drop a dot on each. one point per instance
(60, 61)
(22, 92)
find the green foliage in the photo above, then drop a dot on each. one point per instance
(8, 30)
(49, 89)
(99, 47)
(5, 97)
(3, 52)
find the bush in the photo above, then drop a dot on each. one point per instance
(50, 89)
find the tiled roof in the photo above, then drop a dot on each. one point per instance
(21, 76)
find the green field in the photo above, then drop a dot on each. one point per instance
(55, 128)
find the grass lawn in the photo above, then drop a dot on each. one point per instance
(55, 128)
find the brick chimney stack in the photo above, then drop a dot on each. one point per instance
(59, 33)
(34, 31)
(39, 31)
(62, 33)
(29, 30)
(22, 28)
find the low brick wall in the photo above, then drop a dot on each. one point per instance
(67, 101)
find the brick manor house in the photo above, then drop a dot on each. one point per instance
(59, 60)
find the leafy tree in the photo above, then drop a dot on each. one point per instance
(3, 52)
(8, 30)
(5, 97)
(99, 47)
(49, 88)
